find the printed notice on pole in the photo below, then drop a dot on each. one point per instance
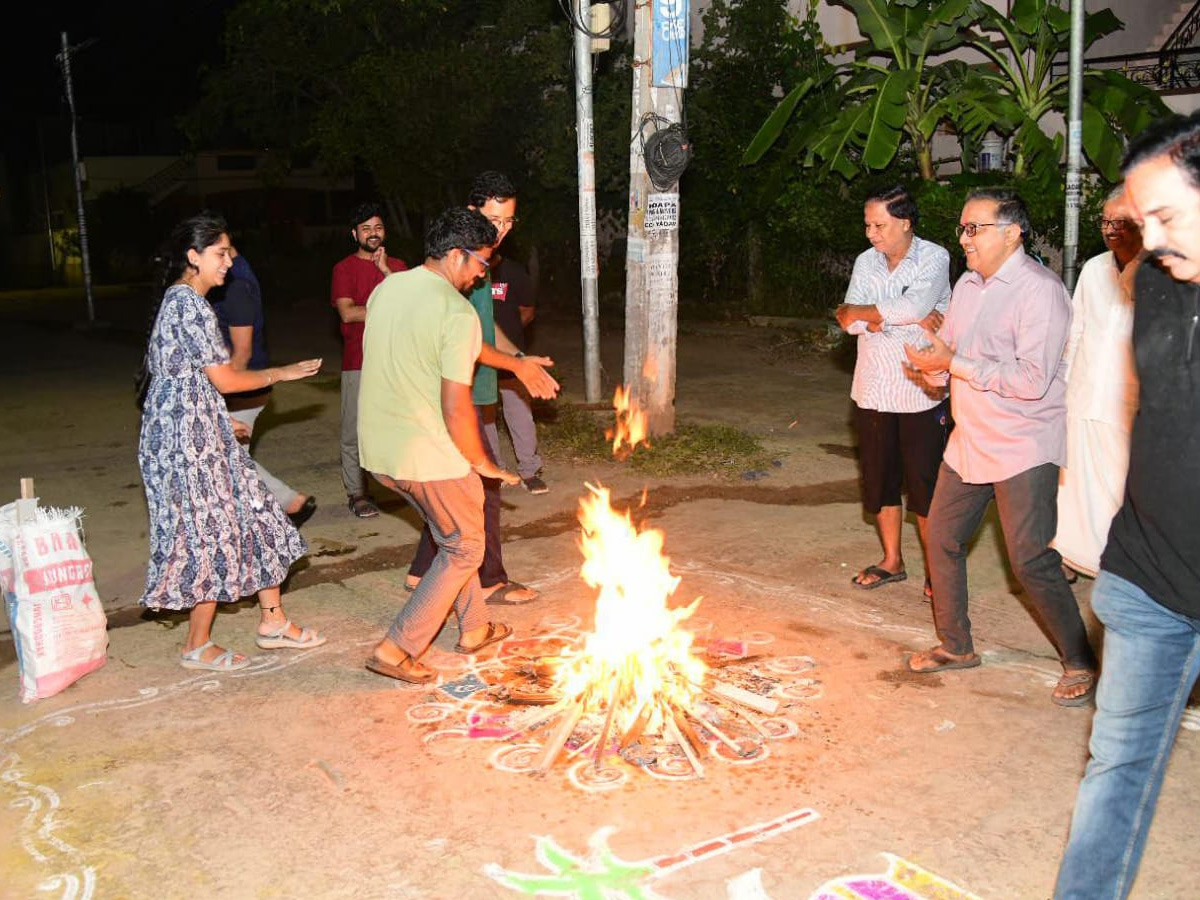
(662, 212)
(670, 50)
(660, 272)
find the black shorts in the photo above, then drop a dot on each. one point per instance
(896, 449)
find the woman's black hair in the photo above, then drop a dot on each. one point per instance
(197, 233)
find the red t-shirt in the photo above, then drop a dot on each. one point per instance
(355, 277)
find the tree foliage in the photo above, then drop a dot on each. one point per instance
(902, 85)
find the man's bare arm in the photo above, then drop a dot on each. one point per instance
(349, 310)
(458, 412)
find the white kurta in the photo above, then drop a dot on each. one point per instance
(1101, 402)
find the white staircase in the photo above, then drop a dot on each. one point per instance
(1172, 23)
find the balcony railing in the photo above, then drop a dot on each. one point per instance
(1181, 37)
(1170, 70)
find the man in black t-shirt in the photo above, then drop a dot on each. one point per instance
(1148, 591)
(513, 309)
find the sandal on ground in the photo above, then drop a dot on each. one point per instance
(223, 663)
(881, 576)
(408, 670)
(409, 586)
(279, 639)
(496, 632)
(936, 659)
(362, 507)
(1074, 679)
(512, 593)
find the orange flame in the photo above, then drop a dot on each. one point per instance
(637, 654)
(630, 429)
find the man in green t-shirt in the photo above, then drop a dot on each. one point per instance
(419, 434)
(493, 195)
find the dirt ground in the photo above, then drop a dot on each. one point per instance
(307, 776)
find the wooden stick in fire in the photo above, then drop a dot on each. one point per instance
(566, 727)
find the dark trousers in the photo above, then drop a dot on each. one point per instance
(1027, 503)
(491, 572)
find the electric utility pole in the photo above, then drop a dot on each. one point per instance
(658, 152)
(64, 59)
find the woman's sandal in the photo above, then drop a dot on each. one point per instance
(193, 659)
(279, 640)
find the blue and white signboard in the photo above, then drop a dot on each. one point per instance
(670, 54)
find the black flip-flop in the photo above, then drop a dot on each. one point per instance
(944, 660)
(497, 631)
(1084, 699)
(502, 596)
(304, 513)
(883, 576)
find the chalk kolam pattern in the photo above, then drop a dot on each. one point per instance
(508, 699)
(599, 874)
(44, 812)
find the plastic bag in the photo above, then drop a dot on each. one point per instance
(58, 623)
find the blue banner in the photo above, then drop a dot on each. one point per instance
(671, 19)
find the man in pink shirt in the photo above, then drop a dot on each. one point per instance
(354, 278)
(1001, 347)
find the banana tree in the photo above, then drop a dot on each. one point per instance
(1017, 89)
(890, 91)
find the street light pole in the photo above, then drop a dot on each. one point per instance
(1074, 144)
(64, 59)
(586, 160)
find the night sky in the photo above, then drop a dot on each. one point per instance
(143, 61)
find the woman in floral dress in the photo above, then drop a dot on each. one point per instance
(216, 533)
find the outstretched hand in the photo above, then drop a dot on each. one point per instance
(488, 469)
(531, 370)
(298, 370)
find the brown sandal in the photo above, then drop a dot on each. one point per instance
(408, 669)
(936, 659)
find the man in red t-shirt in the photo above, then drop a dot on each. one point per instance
(354, 278)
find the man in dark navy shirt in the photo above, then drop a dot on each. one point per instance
(239, 308)
(1148, 591)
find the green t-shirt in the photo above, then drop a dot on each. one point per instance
(419, 330)
(486, 389)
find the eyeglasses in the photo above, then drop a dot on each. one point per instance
(969, 228)
(499, 223)
(1115, 224)
(486, 263)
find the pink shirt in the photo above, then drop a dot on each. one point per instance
(1008, 389)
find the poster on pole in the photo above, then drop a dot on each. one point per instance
(670, 52)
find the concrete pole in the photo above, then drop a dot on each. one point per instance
(589, 268)
(1074, 145)
(652, 254)
(65, 59)
(639, 192)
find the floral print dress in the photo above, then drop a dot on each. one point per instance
(216, 533)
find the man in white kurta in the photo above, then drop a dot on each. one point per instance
(1102, 392)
